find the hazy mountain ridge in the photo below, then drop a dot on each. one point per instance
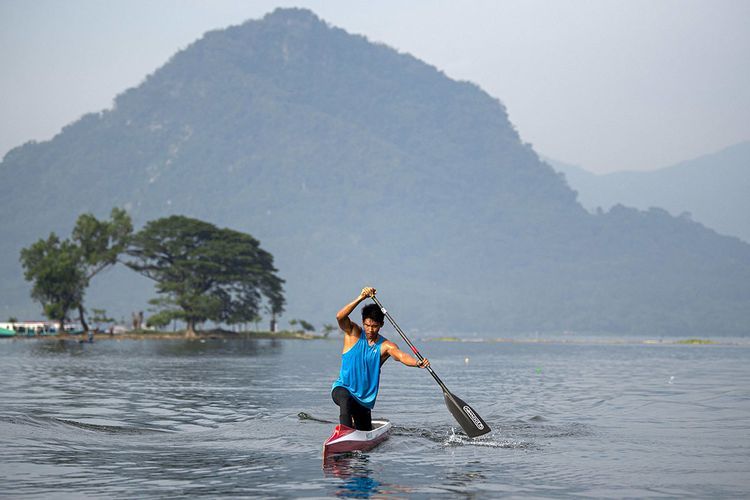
(713, 188)
(355, 164)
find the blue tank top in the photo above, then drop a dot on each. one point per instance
(360, 371)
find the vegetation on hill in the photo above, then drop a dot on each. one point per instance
(712, 189)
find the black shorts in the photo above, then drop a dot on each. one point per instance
(351, 412)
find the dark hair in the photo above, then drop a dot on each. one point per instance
(373, 312)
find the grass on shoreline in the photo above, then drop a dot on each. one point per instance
(695, 341)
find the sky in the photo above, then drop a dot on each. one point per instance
(607, 85)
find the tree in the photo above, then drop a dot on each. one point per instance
(100, 243)
(58, 279)
(305, 326)
(308, 327)
(100, 316)
(275, 307)
(61, 270)
(327, 329)
(207, 273)
(164, 311)
(159, 320)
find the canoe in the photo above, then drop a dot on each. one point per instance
(346, 439)
(4, 332)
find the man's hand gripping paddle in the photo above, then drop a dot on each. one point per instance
(467, 418)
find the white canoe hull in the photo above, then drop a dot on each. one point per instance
(346, 439)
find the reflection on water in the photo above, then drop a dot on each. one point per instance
(357, 478)
(188, 347)
(355, 474)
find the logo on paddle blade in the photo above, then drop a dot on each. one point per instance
(473, 417)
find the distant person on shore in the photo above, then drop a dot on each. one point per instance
(364, 352)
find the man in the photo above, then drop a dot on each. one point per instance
(365, 351)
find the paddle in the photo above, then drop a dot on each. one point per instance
(467, 418)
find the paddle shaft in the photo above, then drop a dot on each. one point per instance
(406, 339)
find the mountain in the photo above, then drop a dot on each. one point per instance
(714, 189)
(355, 164)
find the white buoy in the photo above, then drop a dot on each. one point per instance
(466, 361)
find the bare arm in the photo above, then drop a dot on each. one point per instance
(403, 357)
(349, 327)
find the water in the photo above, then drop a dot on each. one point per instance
(220, 418)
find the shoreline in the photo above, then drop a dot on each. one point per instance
(178, 335)
(295, 335)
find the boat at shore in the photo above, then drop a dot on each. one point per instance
(345, 439)
(4, 332)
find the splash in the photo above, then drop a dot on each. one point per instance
(487, 441)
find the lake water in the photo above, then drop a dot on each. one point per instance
(220, 418)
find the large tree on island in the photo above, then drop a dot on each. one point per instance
(61, 270)
(206, 272)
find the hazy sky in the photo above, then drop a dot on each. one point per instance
(607, 85)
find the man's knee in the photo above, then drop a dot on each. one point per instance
(342, 397)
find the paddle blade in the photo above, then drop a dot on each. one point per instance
(467, 418)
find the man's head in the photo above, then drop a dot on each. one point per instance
(373, 312)
(372, 319)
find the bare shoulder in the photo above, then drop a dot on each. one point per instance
(390, 349)
(388, 345)
(354, 330)
(351, 337)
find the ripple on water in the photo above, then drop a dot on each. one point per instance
(160, 419)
